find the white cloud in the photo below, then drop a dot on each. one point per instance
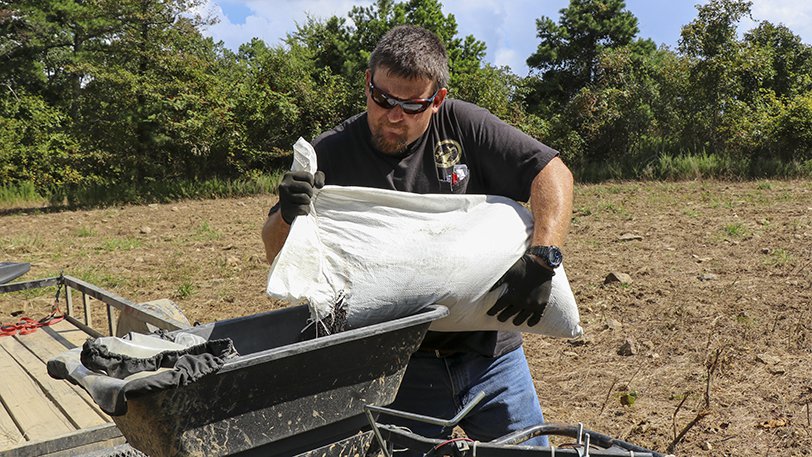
(270, 21)
(795, 14)
(484, 19)
(510, 58)
(283, 14)
(507, 28)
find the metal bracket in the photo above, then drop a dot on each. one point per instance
(583, 440)
(368, 409)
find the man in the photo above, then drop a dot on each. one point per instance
(412, 139)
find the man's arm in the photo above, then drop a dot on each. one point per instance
(274, 233)
(530, 282)
(295, 191)
(551, 204)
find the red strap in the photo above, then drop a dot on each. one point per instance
(27, 325)
(8, 330)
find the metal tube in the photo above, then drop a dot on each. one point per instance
(122, 304)
(86, 307)
(25, 285)
(83, 327)
(111, 324)
(69, 301)
(428, 419)
(377, 432)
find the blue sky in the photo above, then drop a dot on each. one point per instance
(508, 27)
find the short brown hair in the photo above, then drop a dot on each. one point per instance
(412, 52)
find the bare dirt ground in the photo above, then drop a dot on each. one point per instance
(715, 312)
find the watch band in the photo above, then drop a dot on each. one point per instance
(550, 255)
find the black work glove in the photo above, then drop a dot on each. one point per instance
(528, 291)
(295, 192)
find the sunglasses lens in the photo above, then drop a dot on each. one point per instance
(413, 108)
(382, 100)
(388, 102)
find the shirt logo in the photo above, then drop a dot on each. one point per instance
(447, 155)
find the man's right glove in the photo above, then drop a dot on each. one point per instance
(528, 291)
(295, 192)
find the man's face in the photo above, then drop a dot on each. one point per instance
(393, 129)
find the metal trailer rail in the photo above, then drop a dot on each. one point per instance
(88, 291)
(41, 416)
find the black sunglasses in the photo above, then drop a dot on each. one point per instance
(386, 101)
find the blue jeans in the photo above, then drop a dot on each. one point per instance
(441, 387)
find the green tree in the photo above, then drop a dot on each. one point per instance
(628, 116)
(145, 84)
(39, 40)
(135, 78)
(788, 58)
(373, 21)
(35, 145)
(567, 57)
(710, 42)
(792, 130)
(42, 45)
(329, 40)
(345, 49)
(777, 89)
(283, 94)
(496, 89)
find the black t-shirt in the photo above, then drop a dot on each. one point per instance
(465, 150)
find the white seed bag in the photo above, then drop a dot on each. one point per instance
(384, 254)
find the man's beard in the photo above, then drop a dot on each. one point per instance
(387, 146)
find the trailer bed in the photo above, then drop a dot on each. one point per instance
(40, 415)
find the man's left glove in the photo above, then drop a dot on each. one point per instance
(528, 291)
(295, 191)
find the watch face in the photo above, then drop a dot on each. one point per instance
(551, 255)
(554, 256)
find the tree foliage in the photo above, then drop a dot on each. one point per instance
(620, 100)
(568, 54)
(345, 49)
(130, 92)
(744, 90)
